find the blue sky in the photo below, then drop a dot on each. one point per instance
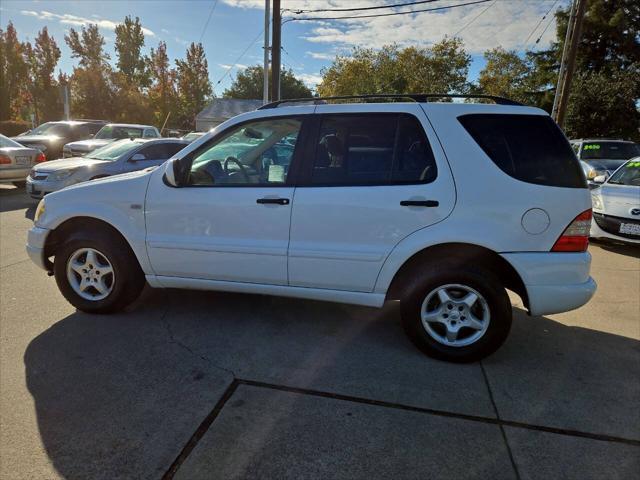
(309, 46)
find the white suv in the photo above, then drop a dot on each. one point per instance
(443, 206)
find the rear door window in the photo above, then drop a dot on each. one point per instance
(530, 148)
(372, 149)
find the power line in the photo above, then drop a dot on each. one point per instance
(298, 11)
(206, 24)
(538, 24)
(309, 19)
(239, 58)
(475, 18)
(291, 57)
(544, 31)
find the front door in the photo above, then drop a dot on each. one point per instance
(230, 221)
(375, 174)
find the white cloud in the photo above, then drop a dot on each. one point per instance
(310, 79)
(321, 55)
(164, 30)
(239, 66)
(68, 19)
(505, 23)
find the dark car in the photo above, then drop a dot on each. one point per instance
(50, 137)
(604, 155)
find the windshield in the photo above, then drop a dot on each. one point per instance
(113, 151)
(7, 142)
(115, 131)
(628, 174)
(610, 150)
(50, 128)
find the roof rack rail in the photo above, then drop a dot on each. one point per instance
(416, 97)
(90, 120)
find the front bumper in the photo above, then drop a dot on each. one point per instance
(555, 282)
(39, 188)
(612, 224)
(36, 240)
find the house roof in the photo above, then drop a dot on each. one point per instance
(225, 108)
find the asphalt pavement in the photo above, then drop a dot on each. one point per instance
(207, 385)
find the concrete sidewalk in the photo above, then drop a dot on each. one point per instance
(196, 385)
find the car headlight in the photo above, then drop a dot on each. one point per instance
(62, 174)
(596, 202)
(39, 211)
(591, 174)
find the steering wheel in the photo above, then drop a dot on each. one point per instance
(237, 162)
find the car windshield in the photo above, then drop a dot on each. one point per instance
(609, 150)
(113, 151)
(51, 128)
(117, 131)
(7, 142)
(628, 174)
(192, 136)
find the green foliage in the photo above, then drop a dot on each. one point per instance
(87, 46)
(441, 68)
(248, 84)
(42, 60)
(13, 71)
(129, 43)
(163, 95)
(194, 86)
(505, 74)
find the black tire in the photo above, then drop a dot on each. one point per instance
(128, 280)
(484, 282)
(19, 184)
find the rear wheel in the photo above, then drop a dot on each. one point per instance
(19, 184)
(97, 272)
(456, 313)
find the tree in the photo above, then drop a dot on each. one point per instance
(13, 71)
(194, 86)
(129, 42)
(91, 87)
(42, 60)
(162, 92)
(248, 84)
(442, 68)
(505, 74)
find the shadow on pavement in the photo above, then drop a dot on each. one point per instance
(620, 248)
(15, 199)
(118, 396)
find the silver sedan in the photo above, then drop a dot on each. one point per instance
(16, 160)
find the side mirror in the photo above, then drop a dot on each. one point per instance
(600, 179)
(138, 157)
(172, 172)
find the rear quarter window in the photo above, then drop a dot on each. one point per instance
(530, 148)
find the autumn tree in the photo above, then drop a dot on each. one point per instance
(13, 72)
(505, 74)
(194, 86)
(163, 95)
(129, 42)
(248, 84)
(443, 67)
(91, 88)
(42, 60)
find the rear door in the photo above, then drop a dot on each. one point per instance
(373, 175)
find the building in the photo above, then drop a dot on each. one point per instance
(222, 109)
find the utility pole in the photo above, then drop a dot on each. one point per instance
(275, 52)
(265, 84)
(568, 63)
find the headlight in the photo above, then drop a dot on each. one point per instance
(596, 202)
(39, 211)
(61, 175)
(591, 174)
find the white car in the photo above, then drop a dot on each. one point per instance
(616, 204)
(107, 134)
(443, 206)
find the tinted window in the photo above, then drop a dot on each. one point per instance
(161, 151)
(372, 149)
(609, 150)
(530, 148)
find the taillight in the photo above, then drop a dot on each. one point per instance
(41, 158)
(4, 160)
(575, 237)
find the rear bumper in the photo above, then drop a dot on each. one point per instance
(36, 239)
(555, 282)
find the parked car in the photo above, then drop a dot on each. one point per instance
(191, 136)
(108, 134)
(118, 157)
(50, 137)
(616, 204)
(376, 202)
(603, 155)
(16, 161)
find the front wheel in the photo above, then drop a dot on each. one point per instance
(97, 272)
(457, 313)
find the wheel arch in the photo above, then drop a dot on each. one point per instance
(464, 253)
(76, 224)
